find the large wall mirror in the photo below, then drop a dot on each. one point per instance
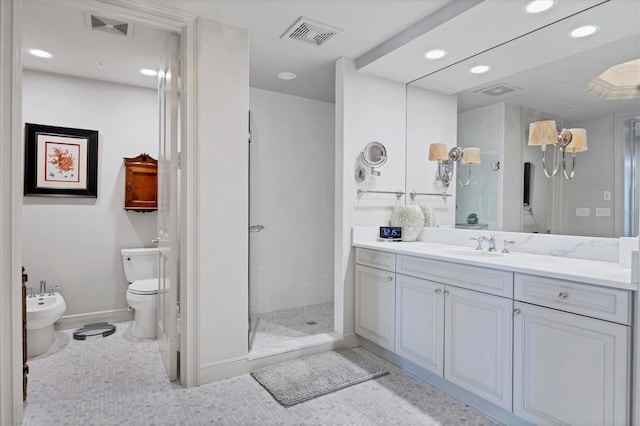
(547, 75)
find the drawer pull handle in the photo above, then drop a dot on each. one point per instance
(517, 312)
(563, 295)
(446, 292)
(438, 291)
(389, 278)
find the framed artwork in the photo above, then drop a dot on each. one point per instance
(60, 161)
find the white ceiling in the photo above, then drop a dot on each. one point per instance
(365, 24)
(386, 37)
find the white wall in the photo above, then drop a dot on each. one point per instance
(431, 118)
(76, 242)
(368, 109)
(595, 173)
(222, 106)
(292, 196)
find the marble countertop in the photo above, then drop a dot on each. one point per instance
(587, 271)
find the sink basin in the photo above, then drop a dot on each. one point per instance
(43, 311)
(475, 253)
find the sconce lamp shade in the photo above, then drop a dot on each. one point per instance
(578, 141)
(543, 133)
(470, 156)
(438, 152)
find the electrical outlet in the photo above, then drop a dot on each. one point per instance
(583, 212)
(603, 212)
(606, 195)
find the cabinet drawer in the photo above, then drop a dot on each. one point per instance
(476, 278)
(377, 259)
(594, 301)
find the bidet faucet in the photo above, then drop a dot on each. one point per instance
(43, 287)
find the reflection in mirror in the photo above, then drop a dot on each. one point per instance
(601, 199)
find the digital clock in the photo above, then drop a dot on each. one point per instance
(391, 233)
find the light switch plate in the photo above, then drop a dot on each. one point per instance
(603, 212)
(606, 195)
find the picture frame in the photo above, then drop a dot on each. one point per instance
(60, 161)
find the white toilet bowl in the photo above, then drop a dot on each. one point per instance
(42, 312)
(142, 296)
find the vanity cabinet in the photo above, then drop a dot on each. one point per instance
(550, 351)
(425, 316)
(461, 335)
(420, 322)
(455, 320)
(375, 305)
(478, 343)
(571, 366)
(141, 183)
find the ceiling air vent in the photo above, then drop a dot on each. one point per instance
(111, 26)
(498, 90)
(309, 31)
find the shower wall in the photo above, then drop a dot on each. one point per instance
(292, 196)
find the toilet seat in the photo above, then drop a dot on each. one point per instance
(144, 287)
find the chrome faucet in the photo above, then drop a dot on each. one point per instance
(43, 287)
(491, 240)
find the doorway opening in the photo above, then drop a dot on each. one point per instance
(291, 218)
(93, 81)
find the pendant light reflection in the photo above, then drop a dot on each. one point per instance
(466, 156)
(544, 133)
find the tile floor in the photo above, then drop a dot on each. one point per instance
(120, 380)
(274, 328)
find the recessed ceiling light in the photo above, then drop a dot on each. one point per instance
(435, 54)
(149, 72)
(479, 69)
(40, 53)
(286, 75)
(537, 6)
(584, 31)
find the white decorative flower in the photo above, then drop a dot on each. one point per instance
(410, 218)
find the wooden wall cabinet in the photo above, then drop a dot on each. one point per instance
(141, 183)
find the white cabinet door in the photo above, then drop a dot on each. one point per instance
(478, 344)
(420, 322)
(375, 305)
(569, 369)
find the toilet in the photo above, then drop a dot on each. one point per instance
(141, 272)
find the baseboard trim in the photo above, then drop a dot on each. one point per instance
(497, 413)
(238, 366)
(79, 320)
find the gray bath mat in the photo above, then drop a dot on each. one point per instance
(302, 379)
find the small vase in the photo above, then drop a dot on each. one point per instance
(410, 218)
(429, 216)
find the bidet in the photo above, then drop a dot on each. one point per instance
(42, 312)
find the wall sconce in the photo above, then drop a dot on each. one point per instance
(544, 133)
(467, 156)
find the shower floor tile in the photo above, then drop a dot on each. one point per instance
(277, 327)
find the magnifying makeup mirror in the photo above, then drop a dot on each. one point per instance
(374, 155)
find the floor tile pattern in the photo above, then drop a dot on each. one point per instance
(120, 380)
(279, 326)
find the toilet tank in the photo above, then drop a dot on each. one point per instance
(140, 263)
